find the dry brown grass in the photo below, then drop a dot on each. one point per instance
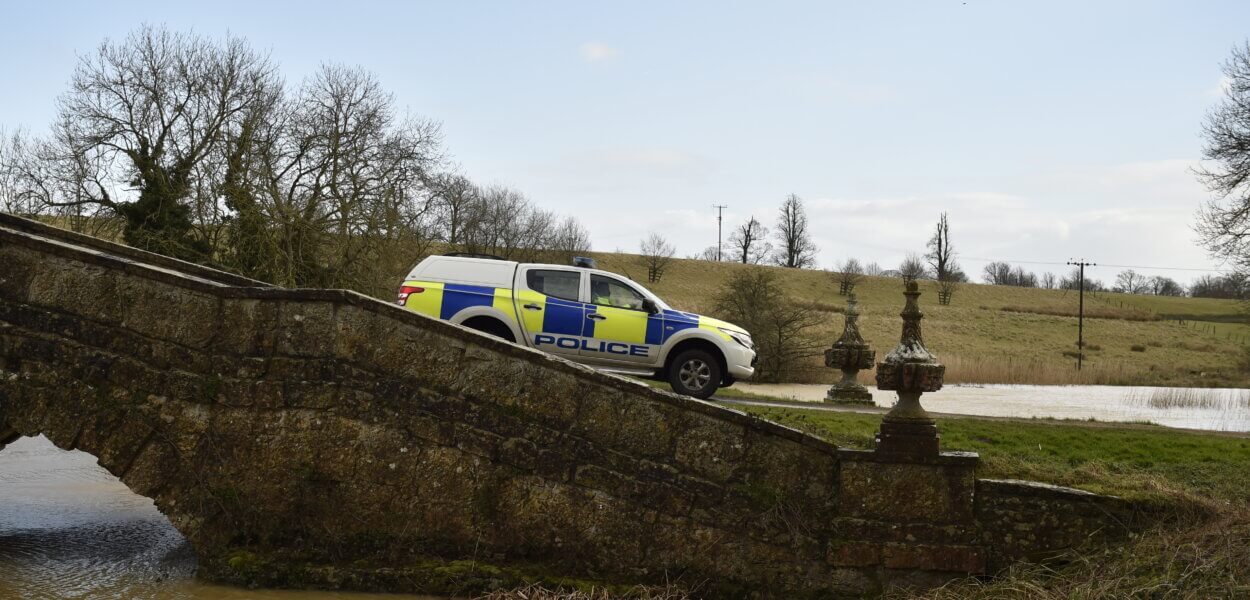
(1007, 369)
(1183, 561)
(1091, 312)
(538, 592)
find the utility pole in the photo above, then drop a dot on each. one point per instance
(720, 211)
(1080, 320)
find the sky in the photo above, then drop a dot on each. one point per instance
(1047, 131)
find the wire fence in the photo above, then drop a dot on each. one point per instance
(1228, 332)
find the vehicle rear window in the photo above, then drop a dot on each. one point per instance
(564, 285)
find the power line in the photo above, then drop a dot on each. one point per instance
(1041, 262)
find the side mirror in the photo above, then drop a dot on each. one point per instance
(649, 306)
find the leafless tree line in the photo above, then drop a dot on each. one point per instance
(1132, 282)
(198, 149)
(749, 243)
(1232, 286)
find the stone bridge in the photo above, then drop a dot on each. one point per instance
(322, 438)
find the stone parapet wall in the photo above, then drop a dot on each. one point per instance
(322, 438)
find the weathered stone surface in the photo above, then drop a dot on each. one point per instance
(321, 438)
(850, 354)
(907, 492)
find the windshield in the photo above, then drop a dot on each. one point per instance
(659, 302)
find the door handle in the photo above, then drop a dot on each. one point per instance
(595, 316)
(533, 307)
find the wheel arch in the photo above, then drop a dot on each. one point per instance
(484, 314)
(696, 342)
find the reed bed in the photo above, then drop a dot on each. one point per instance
(1181, 398)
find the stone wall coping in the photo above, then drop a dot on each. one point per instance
(954, 458)
(58, 234)
(79, 247)
(1020, 487)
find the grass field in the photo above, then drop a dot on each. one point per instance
(1001, 334)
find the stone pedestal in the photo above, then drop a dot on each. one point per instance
(850, 354)
(907, 431)
(912, 519)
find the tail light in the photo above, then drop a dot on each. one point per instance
(405, 291)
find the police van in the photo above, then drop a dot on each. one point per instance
(583, 314)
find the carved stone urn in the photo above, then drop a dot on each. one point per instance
(850, 354)
(907, 431)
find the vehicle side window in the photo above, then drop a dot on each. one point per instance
(606, 291)
(564, 285)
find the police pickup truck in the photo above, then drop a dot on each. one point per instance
(583, 314)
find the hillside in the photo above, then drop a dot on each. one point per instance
(1000, 334)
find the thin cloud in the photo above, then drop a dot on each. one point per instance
(593, 52)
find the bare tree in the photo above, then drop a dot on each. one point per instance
(196, 148)
(1023, 278)
(656, 254)
(139, 120)
(873, 269)
(1233, 285)
(997, 273)
(1164, 286)
(1224, 222)
(569, 239)
(797, 249)
(340, 179)
(1001, 273)
(941, 255)
(1049, 280)
(456, 199)
(912, 268)
(710, 254)
(848, 275)
(1129, 282)
(1073, 281)
(749, 242)
(783, 329)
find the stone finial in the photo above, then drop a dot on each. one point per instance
(909, 369)
(850, 354)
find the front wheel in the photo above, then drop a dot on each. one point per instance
(695, 373)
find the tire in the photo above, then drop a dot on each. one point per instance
(695, 373)
(491, 326)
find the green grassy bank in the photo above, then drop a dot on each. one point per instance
(1200, 480)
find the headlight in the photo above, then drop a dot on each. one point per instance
(738, 336)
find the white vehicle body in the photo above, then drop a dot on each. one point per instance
(584, 314)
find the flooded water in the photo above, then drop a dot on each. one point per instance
(69, 529)
(1190, 408)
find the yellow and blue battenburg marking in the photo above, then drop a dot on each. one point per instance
(562, 323)
(445, 300)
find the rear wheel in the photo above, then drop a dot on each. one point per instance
(695, 373)
(491, 326)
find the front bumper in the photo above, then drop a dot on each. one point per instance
(740, 362)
